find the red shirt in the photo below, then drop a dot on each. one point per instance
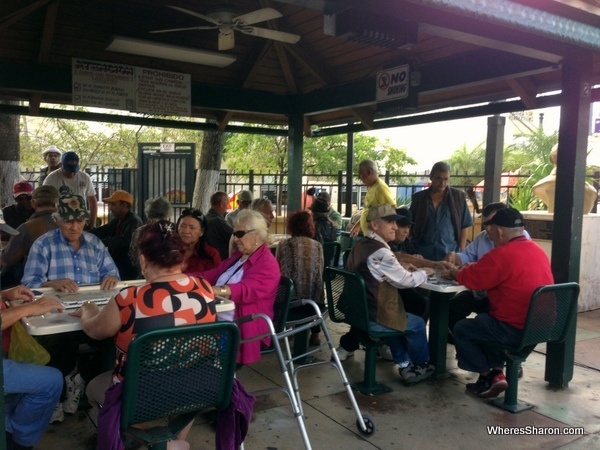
(510, 274)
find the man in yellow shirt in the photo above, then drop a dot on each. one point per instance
(378, 193)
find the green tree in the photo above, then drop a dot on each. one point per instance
(102, 144)
(467, 161)
(322, 155)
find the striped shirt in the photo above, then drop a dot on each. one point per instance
(51, 258)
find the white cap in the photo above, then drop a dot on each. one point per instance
(51, 149)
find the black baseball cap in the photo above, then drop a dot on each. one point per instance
(508, 218)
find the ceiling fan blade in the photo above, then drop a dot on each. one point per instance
(226, 39)
(281, 36)
(195, 14)
(260, 15)
(203, 27)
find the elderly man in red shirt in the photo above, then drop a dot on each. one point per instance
(510, 273)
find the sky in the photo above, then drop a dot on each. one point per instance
(429, 143)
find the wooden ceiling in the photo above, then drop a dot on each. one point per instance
(466, 52)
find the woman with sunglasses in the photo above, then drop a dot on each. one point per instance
(249, 277)
(199, 254)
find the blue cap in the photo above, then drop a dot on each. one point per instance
(70, 162)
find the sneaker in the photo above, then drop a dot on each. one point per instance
(385, 353)
(489, 386)
(422, 372)
(406, 373)
(343, 355)
(75, 387)
(58, 415)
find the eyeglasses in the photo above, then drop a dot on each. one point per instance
(241, 233)
(195, 213)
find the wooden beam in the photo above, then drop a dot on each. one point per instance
(526, 89)
(258, 62)
(286, 68)
(34, 104)
(365, 116)
(315, 66)
(14, 17)
(307, 126)
(48, 33)
(223, 120)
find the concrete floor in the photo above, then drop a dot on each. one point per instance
(433, 414)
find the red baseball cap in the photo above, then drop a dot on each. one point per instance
(22, 188)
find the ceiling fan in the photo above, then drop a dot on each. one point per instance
(227, 21)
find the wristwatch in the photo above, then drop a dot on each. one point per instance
(222, 290)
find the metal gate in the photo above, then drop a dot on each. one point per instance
(166, 170)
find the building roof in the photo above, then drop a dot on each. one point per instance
(460, 52)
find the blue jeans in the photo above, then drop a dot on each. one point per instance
(473, 356)
(31, 394)
(410, 347)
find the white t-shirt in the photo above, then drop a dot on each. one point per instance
(80, 184)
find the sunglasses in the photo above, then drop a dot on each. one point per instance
(195, 213)
(241, 233)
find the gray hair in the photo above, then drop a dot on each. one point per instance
(258, 203)
(157, 208)
(368, 164)
(252, 220)
(513, 231)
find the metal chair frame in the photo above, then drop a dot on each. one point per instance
(552, 312)
(175, 373)
(349, 287)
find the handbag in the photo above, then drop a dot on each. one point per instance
(24, 348)
(390, 308)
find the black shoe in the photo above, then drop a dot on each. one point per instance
(481, 385)
(489, 386)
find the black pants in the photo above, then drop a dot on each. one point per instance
(463, 304)
(64, 354)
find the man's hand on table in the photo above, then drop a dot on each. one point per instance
(108, 283)
(450, 274)
(62, 285)
(444, 265)
(453, 258)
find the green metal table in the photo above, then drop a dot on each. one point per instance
(440, 292)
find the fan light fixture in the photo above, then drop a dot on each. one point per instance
(166, 51)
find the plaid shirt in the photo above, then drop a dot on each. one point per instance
(52, 258)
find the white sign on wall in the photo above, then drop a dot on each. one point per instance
(393, 84)
(163, 92)
(130, 88)
(104, 85)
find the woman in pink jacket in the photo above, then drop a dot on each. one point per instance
(249, 277)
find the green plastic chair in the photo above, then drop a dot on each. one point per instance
(347, 303)
(175, 373)
(551, 314)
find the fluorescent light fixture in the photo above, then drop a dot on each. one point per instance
(166, 51)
